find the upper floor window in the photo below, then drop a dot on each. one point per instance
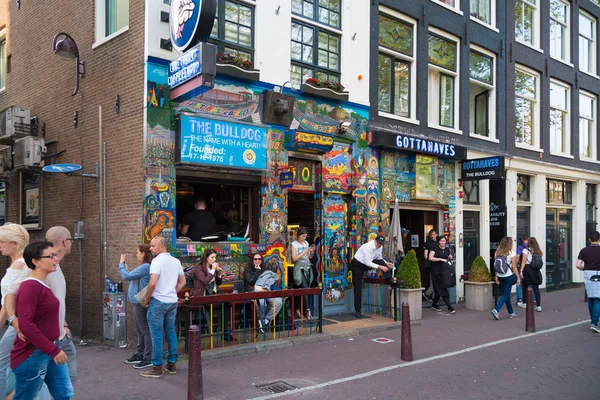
(526, 22)
(587, 126)
(449, 3)
(482, 96)
(396, 92)
(482, 10)
(2, 59)
(587, 43)
(233, 30)
(560, 142)
(324, 11)
(112, 16)
(315, 54)
(559, 30)
(443, 79)
(527, 116)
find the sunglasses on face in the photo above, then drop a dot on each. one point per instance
(257, 259)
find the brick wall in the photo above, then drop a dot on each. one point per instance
(43, 82)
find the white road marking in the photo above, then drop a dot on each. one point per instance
(421, 361)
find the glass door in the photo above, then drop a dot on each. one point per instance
(558, 248)
(471, 238)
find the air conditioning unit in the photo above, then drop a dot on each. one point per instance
(28, 152)
(14, 121)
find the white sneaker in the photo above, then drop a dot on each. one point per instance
(595, 328)
(522, 305)
(538, 309)
(519, 302)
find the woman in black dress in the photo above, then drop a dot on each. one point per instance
(438, 259)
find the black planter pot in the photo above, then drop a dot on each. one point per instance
(237, 72)
(324, 93)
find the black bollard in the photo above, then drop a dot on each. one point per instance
(529, 317)
(195, 387)
(406, 353)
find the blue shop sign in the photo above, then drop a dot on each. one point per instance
(224, 143)
(186, 67)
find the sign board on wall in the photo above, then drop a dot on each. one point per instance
(201, 59)
(191, 21)
(497, 214)
(220, 142)
(482, 168)
(417, 145)
(308, 142)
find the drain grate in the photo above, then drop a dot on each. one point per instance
(276, 387)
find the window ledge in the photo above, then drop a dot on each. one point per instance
(590, 74)
(589, 160)
(529, 147)
(321, 25)
(480, 22)
(110, 37)
(488, 139)
(563, 61)
(532, 47)
(447, 7)
(564, 155)
(399, 118)
(2, 90)
(445, 129)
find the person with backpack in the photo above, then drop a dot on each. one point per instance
(505, 266)
(524, 244)
(439, 258)
(531, 265)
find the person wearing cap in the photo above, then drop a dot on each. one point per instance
(362, 260)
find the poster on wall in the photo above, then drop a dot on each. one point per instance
(426, 171)
(304, 174)
(30, 200)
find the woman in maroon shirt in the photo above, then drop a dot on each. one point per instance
(37, 358)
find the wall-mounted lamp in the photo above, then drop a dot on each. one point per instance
(344, 126)
(65, 46)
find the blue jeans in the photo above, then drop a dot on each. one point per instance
(520, 293)
(505, 288)
(40, 368)
(161, 318)
(594, 306)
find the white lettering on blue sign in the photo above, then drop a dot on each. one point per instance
(483, 163)
(185, 68)
(426, 146)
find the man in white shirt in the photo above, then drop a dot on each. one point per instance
(166, 279)
(62, 240)
(362, 260)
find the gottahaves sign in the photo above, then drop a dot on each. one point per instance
(418, 145)
(224, 143)
(191, 21)
(483, 168)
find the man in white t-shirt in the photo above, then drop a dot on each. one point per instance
(166, 279)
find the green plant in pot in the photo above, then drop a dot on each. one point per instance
(479, 271)
(409, 273)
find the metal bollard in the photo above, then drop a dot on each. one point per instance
(195, 386)
(529, 317)
(406, 353)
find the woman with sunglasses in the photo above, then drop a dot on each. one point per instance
(266, 309)
(252, 271)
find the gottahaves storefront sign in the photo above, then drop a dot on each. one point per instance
(224, 143)
(418, 145)
(483, 168)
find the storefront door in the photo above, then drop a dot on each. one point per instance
(558, 248)
(470, 238)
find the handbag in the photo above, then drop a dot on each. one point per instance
(139, 297)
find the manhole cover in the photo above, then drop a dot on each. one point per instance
(276, 387)
(382, 340)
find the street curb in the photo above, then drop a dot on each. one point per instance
(261, 347)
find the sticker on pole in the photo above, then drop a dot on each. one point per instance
(62, 168)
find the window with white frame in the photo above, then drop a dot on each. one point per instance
(482, 96)
(324, 11)
(560, 132)
(483, 10)
(526, 22)
(2, 59)
(111, 17)
(527, 116)
(559, 30)
(450, 3)
(587, 43)
(443, 79)
(587, 126)
(396, 93)
(233, 30)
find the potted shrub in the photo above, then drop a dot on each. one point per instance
(410, 290)
(478, 289)
(236, 66)
(324, 89)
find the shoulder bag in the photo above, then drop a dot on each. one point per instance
(139, 296)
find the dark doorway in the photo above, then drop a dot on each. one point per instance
(558, 248)
(471, 238)
(301, 211)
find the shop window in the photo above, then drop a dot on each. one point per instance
(483, 10)
(443, 80)
(587, 126)
(471, 190)
(523, 223)
(233, 30)
(560, 137)
(315, 54)
(324, 11)
(482, 96)
(31, 199)
(112, 17)
(527, 22)
(527, 116)
(559, 30)
(2, 59)
(396, 65)
(558, 192)
(590, 208)
(587, 43)
(523, 188)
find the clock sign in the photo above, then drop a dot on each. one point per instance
(191, 21)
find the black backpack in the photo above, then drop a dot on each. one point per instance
(448, 276)
(501, 265)
(536, 262)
